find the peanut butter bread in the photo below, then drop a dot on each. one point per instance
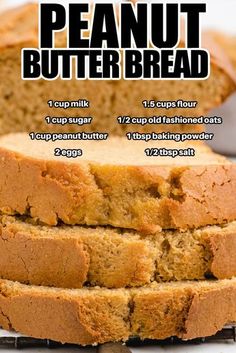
(115, 183)
(25, 102)
(90, 316)
(70, 257)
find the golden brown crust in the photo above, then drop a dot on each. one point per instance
(205, 191)
(90, 316)
(70, 257)
(210, 311)
(85, 319)
(63, 262)
(127, 189)
(223, 247)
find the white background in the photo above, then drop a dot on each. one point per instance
(221, 15)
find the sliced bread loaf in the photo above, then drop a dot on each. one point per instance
(24, 103)
(70, 257)
(90, 316)
(115, 183)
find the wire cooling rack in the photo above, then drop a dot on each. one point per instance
(228, 333)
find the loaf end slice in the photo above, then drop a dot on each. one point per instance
(71, 257)
(115, 183)
(91, 316)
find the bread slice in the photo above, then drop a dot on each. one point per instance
(70, 257)
(228, 44)
(25, 102)
(90, 316)
(115, 183)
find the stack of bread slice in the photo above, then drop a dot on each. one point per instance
(115, 244)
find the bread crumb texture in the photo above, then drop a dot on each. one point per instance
(71, 257)
(26, 101)
(91, 316)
